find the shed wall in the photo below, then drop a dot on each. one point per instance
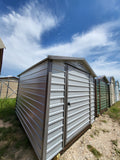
(56, 110)
(102, 96)
(92, 98)
(112, 92)
(80, 113)
(116, 91)
(30, 105)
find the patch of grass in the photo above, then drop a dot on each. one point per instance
(94, 151)
(105, 130)
(7, 109)
(117, 151)
(3, 149)
(114, 112)
(96, 132)
(14, 135)
(91, 136)
(115, 142)
(104, 121)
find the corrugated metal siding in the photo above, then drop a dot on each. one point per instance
(56, 110)
(103, 95)
(30, 106)
(78, 114)
(92, 98)
(102, 91)
(112, 92)
(98, 96)
(117, 91)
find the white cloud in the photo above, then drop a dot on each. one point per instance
(103, 66)
(22, 31)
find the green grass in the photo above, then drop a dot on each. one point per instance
(105, 131)
(91, 136)
(114, 112)
(104, 121)
(115, 142)
(117, 151)
(94, 151)
(96, 132)
(13, 135)
(3, 149)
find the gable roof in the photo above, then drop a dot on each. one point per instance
(110, 78)
(50, 57)
(102, 77)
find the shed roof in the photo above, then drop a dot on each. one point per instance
(50, 57)
(117, 82)
(103, 77)
(1, 44)
(110, 78)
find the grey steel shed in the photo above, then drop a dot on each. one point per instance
(117, 91)
(112, 90)
(56, 103)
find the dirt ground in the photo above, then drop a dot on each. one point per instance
(103, 136)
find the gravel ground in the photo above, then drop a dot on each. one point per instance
(103, 136)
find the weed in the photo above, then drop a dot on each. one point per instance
(91, 136)
(117, 151)
(105, 130)
(115, 142)
(96, 132)
(94, 151)
(104, 121)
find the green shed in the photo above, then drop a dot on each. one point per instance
(102, 95)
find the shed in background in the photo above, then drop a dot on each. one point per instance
(56, 103)
(1, 53)
(117, 91)
(102, 94)
(112, 90)
(8, 87)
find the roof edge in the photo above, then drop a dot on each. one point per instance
(51, 57)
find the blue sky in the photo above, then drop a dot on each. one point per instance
(31, 30)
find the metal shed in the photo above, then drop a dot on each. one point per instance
(102, 94)
(8, 87)
(56, 103)
(117, 91)
(112, 90)
(1, 53)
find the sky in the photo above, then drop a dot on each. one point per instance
(31, 30)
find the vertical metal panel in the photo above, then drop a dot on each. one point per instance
(30, 106)
(102, 95)
(56, 110)
(112, 92)
(116, 91)
(92, 98)
(78, 112)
